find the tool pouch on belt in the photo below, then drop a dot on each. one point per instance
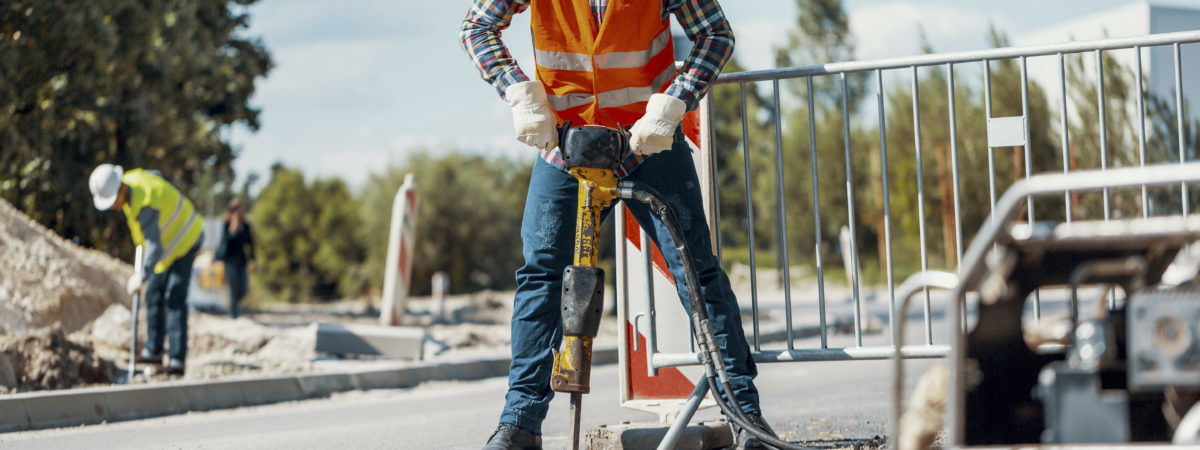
(582, 304)
(593, 146)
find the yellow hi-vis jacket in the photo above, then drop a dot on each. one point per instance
(179, 225)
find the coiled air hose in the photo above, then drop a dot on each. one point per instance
(710, 352)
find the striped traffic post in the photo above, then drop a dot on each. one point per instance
(399, 253)
(650, 309)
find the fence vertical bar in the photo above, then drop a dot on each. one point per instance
(816, 199)
(652, 332)
(1141, 107)
(916, 106)
(710, 135)
(1179, 119)
(850, 213)
(987, 105)
(1101, 103)
(783, 237)
(750, 218)
(715, 220)
(887, 207)
(958, 244)
(1066, 144)
(1037, 293)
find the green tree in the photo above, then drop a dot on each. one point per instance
(1163, 147)
(828, 141)
(338, 251)
(282, 216)
(468, 224)
(973, 156)
(147, 83)
(1123, 146)
(306, 238)
(821, 35)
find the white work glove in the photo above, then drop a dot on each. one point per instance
(655, 131)
(135, 282)
(532, 118)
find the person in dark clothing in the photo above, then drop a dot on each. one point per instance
(236, 250)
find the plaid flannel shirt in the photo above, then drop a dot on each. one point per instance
(702, 21)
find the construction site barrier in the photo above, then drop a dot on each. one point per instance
(658, 360)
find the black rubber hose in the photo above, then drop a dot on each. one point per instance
(710, 352)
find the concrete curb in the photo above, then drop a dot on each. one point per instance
(74, 407)
(697, 435)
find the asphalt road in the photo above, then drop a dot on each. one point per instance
(836, 400)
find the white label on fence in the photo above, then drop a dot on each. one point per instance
(1006, 131)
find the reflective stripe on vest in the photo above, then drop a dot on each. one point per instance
(563, 60)
(178, 223)
(626, 60)
(601, 74)
(174, 245)
(174, 214)
(613, 98)
(610, 60)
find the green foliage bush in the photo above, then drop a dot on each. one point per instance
(141, 83)
(469, 219)
(306, 238)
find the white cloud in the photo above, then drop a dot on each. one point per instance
(356, 86)
(757, 39)
(891, 29)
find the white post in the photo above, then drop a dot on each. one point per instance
(441, 286)
(399, 253)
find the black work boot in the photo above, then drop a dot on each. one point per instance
(145, 356)
(509, 437)
(746, 440)
(174, 367)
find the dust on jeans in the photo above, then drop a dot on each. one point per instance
(548, 224)
(676, 201)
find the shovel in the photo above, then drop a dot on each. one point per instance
(133, 319)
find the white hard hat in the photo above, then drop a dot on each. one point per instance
(105, 184)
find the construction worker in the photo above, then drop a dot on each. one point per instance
(170, 231)
(610, 63)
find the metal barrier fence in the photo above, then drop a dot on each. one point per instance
(1001, 132)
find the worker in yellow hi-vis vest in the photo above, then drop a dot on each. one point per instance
(170, 231)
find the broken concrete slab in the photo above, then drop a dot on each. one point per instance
(378, 340)
(697, 436)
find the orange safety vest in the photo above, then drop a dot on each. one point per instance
(601, 75)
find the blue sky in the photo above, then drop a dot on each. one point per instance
(363, 83)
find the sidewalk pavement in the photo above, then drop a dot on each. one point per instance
(74, 407)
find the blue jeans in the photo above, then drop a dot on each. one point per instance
(167, 309)
(547, 236)
(239, 281)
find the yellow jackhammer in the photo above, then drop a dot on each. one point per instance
(592, 154)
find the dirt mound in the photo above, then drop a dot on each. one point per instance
(48, 360)
(217, 345)
(48, 282)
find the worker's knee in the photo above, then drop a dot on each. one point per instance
(545, 227)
